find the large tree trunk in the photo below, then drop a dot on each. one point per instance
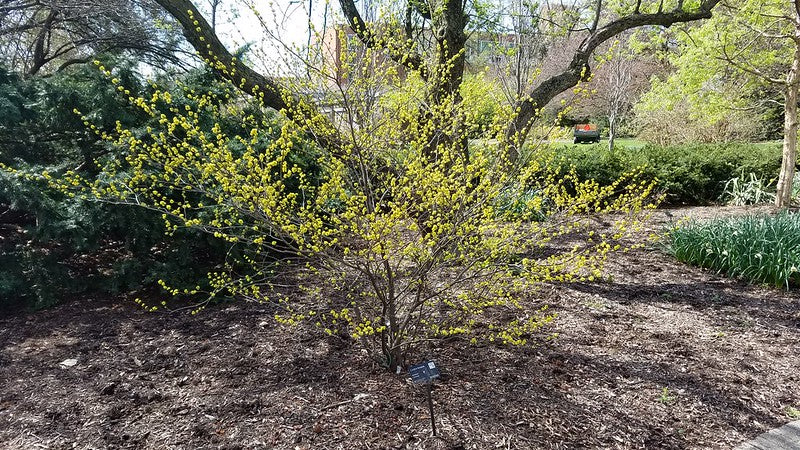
(783, 197)
(447, 75)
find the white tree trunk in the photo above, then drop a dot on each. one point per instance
(612, 130)
(783, 197)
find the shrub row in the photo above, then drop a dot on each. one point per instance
(690, 174)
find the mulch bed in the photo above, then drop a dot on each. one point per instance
(662, 356)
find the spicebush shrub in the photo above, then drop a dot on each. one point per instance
(692, 174)
(757, 248)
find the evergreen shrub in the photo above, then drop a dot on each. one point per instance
(690, 174)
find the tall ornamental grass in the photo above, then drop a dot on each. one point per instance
(757, 248)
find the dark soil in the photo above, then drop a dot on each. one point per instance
(663, 356)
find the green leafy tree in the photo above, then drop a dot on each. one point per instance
(748, 48)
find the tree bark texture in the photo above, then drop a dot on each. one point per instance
(783, 197)
(268, 90)
(201, 36)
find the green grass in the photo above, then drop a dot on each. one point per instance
(767, 144)
(757, 248)
(628, 143)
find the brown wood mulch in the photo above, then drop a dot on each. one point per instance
(664, 356)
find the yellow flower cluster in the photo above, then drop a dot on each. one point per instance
(402, 215)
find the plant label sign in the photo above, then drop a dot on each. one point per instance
(424, 372)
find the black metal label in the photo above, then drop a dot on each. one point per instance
(424, 372)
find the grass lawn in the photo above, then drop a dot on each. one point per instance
(624, 142)
(634, 143)
(768, 143)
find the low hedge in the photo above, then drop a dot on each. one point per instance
(692, 174)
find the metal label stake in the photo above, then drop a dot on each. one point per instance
(425, 373)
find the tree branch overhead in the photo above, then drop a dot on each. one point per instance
(580, 70)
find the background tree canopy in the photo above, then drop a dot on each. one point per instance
(50, 35)
(732, 74)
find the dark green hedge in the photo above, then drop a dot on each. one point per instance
(692, 174)
(53, 247)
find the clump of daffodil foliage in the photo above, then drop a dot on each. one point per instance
(406, 219)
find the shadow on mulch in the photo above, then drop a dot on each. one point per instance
(228, 379)
(707, 297)
(666, 356)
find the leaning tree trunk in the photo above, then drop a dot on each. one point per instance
(783, 198)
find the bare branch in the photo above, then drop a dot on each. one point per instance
(201, 36)
(401, 54)
(596, 21)
(267, 90)
(748, 69)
